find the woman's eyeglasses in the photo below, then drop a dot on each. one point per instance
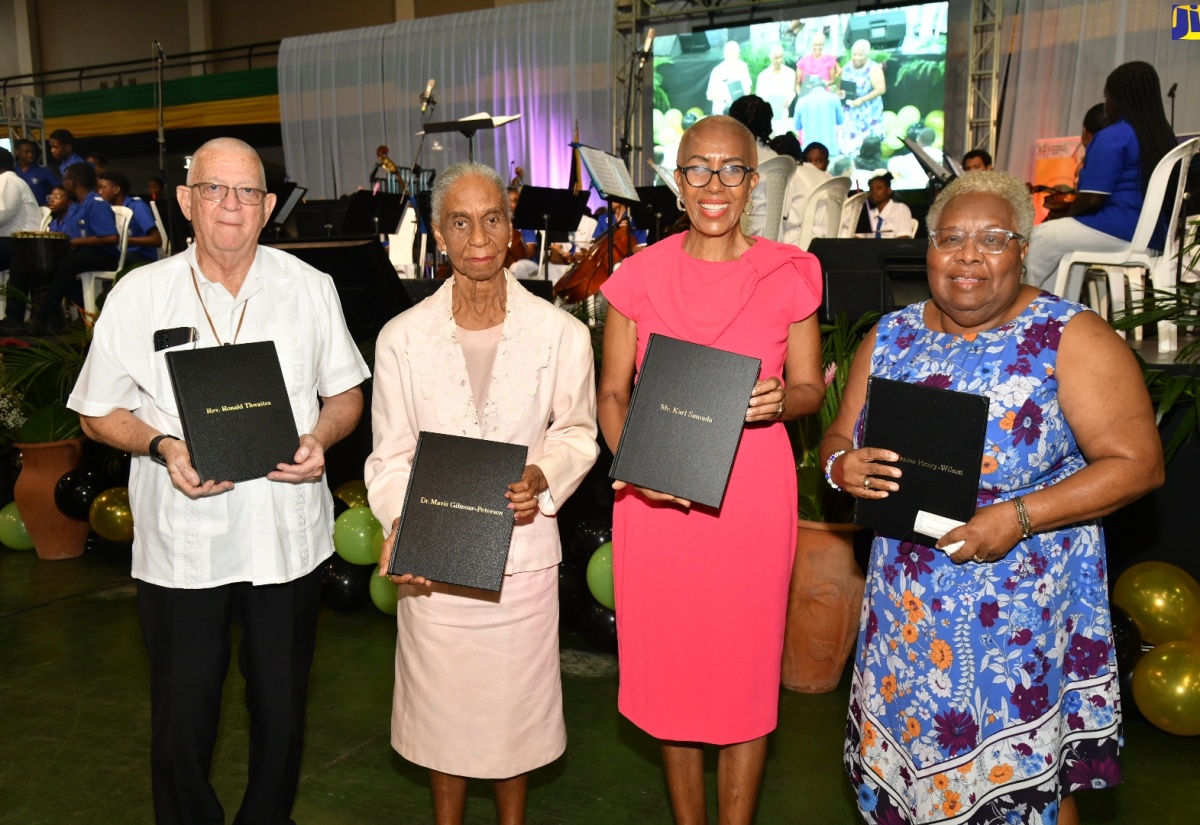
(731, 175)
(989, 241)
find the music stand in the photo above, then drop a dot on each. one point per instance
(937, 173)
(468, 126)
(373, 213)
(555, 212)
(609, 175)
(285, 204)
(656, 211)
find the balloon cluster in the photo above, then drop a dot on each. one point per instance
(85, 495)
(350, 579)
(586, 594)
(1162, 603)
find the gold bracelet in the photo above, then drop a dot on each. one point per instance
(1023, 517)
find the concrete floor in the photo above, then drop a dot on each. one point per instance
(74, 728)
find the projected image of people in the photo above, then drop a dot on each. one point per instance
(859, 83)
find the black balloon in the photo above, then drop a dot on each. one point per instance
(339, 507)
(599, 626)
(1127, 640)
(574, 599)
(76, 491)
(345, 586)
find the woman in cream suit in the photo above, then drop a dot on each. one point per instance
(477, 682)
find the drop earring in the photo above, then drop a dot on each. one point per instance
(749, 210)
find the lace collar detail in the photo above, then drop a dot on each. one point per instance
(436, 360)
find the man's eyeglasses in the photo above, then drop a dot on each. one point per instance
(731, 175)
(247, 196)
(989, 241)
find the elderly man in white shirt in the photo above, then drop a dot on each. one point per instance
(19, 210)
(208, 553)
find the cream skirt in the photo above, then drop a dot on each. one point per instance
(478, 691)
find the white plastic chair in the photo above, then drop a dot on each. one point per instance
(912, 233)
(850, 211)
(123, 214)
(1161, 266)
(46, 216)
(164, 250)
(832, 193)
(774, 176)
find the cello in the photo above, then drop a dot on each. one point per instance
(585, 278)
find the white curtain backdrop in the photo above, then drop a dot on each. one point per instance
(1062, 51)
(344, 93)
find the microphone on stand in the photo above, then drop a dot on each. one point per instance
(158, 51)
(1171, 92)
(645, 52)
(428, 96)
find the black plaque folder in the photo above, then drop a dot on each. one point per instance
(939, 435)
(234, 407)
(456, 525)
(685, 420)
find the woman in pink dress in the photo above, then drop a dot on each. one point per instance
(702, 593)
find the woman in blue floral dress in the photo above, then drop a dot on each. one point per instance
(864, 111)
(985, 685)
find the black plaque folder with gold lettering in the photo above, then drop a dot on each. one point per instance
(685, 420)
(939, 435)
(456, 524)
(233, 403)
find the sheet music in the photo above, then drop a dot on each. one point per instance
(497, 121)
(666, 176)
(938, 170)
(609, 174)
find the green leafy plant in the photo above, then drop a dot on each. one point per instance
(819, 501)
(41, 375)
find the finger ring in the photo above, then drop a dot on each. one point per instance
(866, 482)
(779, 412)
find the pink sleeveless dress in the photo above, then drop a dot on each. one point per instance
(702, 594)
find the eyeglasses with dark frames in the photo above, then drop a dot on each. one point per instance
(729, 175)
(991, 241)
(246, 195)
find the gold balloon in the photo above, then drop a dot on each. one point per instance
(111, 516)
(1166, 687)
(1164, 601)
(354, 493)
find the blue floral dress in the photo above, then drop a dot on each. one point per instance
(984, 692)
(864, 120)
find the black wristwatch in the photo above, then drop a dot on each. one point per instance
(155, 455)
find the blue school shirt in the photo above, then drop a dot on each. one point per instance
(40, 179)
(91, 218)
(1113, 167)
(139, 227)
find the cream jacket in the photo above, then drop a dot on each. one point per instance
(542, 395)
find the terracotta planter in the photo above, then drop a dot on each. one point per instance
(824, 603)
(54, 535)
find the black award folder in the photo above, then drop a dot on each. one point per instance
(456, 525)
(233, 403)
(939, 435)
(685, 420)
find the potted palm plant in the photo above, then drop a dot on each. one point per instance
(825, 596)
(39, 377)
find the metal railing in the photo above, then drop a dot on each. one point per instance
(131, 72)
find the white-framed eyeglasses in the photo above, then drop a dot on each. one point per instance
(990, 241)
(246, 195)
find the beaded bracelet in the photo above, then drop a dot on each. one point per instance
(829, 469)
(1023, 517)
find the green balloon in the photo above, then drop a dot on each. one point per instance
(111, 516)
(354, 535)
(12, 528)
(354, 493)
(600, 576)
(383, 593)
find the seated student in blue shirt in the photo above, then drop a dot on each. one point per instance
(62, 149)
(1113, 180)
(92, 227)
(620, 211)
(58, 203)
(144, 238)
(40, 179)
